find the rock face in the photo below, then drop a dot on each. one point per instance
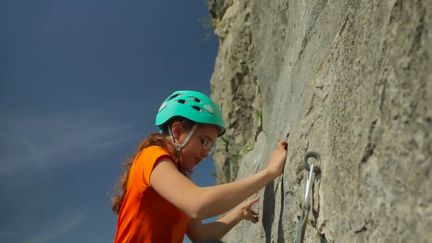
(350, 80)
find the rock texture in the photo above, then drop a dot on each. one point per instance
(350, 80)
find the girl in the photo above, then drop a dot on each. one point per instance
(159, 203)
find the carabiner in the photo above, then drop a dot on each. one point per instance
(314, 155)
(313, 169)
(308, 191)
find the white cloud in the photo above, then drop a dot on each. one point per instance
(35, 232)
(45, 141)
(8, 234)
(57, 229)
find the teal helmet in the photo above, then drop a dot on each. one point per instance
(192, 105)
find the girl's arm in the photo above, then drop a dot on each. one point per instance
(217, 229)
(201, 203)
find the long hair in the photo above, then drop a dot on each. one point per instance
(158, 139)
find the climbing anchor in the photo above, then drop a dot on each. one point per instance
(313, 169)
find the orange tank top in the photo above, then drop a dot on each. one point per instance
(145, 216)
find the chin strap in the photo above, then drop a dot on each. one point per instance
(179, 146)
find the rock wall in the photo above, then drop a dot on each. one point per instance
(350, 80)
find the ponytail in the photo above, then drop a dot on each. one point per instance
(155, 139)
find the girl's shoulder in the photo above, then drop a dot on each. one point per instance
(155, 150)
(153, 154)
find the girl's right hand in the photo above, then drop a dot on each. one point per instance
(245, 210)
(276, 163)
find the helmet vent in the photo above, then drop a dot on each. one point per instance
(182, 101)
(197, 108)
(162, 106)
(173, 96)
(209, 108)
(196, 99)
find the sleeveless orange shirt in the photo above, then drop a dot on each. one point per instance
(145, 216)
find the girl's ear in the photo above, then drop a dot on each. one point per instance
(176, 129)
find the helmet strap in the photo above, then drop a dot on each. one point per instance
(179, 146)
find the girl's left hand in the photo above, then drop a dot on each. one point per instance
(246, 211)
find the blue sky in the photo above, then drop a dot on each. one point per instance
(80, 82)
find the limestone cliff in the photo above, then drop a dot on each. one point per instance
(350, 80)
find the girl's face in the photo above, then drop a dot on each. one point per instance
(199, 145)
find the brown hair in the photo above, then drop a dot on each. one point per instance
(158, 139)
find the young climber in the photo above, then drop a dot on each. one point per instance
(159, 202)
